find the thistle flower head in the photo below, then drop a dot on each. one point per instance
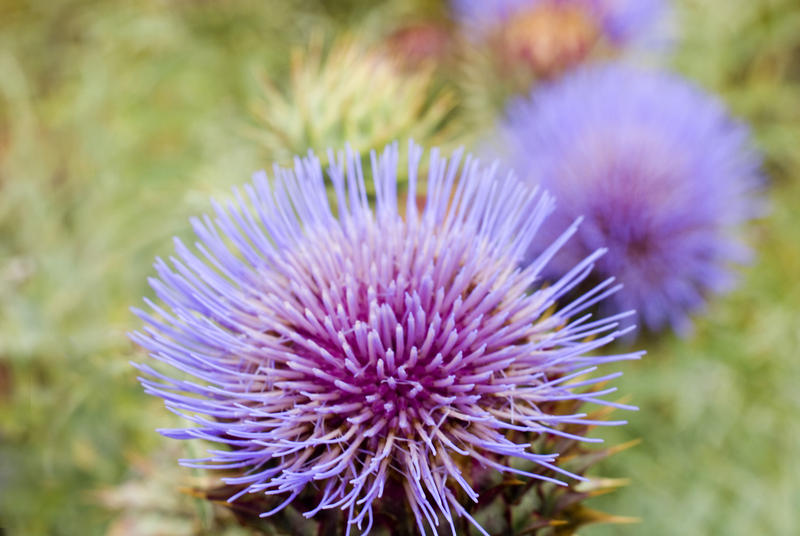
(660, 171)
(619, 20)
(553, 35)
(324, 101)
(369, 355)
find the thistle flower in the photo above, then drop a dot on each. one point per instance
(324, 101)
(361, 360)
(659, 169)
(619, 20)
(551, 36)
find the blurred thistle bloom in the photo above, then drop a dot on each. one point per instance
(348, 91)
(373, 359)
(551, 36)
(660, 170)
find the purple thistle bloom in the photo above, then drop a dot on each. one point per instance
(350, 350)
(619, 20)
(659, 169)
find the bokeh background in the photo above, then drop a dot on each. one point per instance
(120, 119)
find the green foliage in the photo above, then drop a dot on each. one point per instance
(749, 52)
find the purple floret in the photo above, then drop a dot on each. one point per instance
(327, 343)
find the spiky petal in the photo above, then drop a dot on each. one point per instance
(337, 347)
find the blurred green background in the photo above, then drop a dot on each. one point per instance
(118, 120)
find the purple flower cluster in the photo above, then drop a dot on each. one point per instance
(659, 169)
(620, 20)
(327, 344)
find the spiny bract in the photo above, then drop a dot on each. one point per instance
(354, 351)
(325, 101)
